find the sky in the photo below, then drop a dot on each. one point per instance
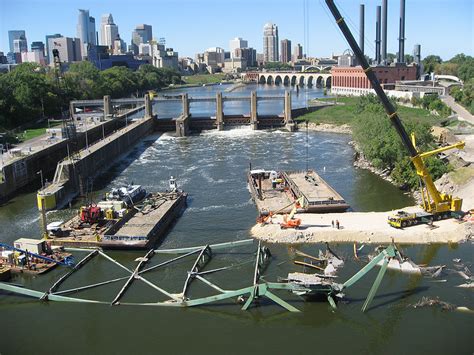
(442, 27)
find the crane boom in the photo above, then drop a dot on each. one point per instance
(440, 202)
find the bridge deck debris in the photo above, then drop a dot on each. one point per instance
(297, 283)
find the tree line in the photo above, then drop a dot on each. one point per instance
(30, 92)
(381, 145)
(460, 65)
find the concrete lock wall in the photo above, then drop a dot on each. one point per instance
(23, 171)
(102, 158)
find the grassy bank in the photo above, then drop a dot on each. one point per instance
(200, 79)
(37, 131)
(345, 112)
(377, 139)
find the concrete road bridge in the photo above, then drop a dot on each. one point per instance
(291, 78)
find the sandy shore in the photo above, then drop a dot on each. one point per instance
(326, 127)
(362, 227)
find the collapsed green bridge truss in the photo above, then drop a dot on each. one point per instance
(259, 289)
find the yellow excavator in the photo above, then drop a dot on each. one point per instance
(436, 205)
(288, 219)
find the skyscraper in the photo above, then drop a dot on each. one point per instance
(69, 49)
(285, 51)
(270, 42)
(298, 52)
(141, 34)
(15, 34)
(20, 45)
(86, 31)
(48, 52)
(37, 46)
(235, 43)
(108, 31)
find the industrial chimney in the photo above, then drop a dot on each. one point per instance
(377, 36)
(401, 39)
(384, 32)
(361, 28)
(417, 53)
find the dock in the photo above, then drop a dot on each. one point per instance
(140, 228)
(277, 191)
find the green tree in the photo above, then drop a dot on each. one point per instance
(83, 81)
(118, 82)
(382, 146)
(430, 62)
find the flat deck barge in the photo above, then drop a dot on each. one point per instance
(276, 192)
(5, 273)
(140, 228)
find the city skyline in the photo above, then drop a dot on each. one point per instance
(198, 28)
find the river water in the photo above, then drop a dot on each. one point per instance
(211, 167)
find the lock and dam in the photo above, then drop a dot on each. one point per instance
(103, 130)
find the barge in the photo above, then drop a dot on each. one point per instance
(276, 192)
(32, 256)
(5, 273)
(109, 225)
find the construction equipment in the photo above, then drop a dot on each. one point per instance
(437, 205)
(90, 214)
(288, 219)
(66, 262)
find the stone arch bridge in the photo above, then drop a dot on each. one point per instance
(294, 78)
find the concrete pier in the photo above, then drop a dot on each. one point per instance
(219, 112)
(289, 123)
(182, 122)
(253, 111)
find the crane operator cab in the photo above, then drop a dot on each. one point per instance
(173, 185)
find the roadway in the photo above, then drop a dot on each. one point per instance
(460, 111)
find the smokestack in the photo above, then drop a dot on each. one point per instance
(401, 39)
(417, 53)
(384, 32)
(361, 28)
(377, 36)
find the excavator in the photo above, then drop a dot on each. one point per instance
(436, 205)
(288, 219)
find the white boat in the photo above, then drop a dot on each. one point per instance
(129, 194)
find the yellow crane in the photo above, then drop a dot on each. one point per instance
(436, 205)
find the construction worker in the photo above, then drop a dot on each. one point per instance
(337, 223)
(332, 223)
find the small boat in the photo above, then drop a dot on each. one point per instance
(129, 194)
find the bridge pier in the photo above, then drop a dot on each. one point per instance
(289, 123)
(107, 106)
(148, 107)
(219, 112)
(253, 111)
(182, 123)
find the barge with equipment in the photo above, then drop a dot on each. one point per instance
(113, 224)
(31, 256)
(276, 192)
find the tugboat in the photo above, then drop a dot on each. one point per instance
(130, 194)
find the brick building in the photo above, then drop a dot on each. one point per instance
(353, 81)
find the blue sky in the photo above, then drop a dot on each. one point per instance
(442, 27)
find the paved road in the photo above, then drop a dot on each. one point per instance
(460, 111)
